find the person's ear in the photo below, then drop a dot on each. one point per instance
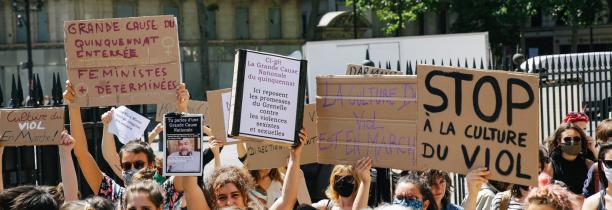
(425, 204)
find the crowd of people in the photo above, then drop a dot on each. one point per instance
(575, 172)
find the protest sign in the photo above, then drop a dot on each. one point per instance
(353, 69)
(262, 155)
(219, 108)
(367, 115)
(31, 126)
(182, 144)
(471, 118)
(123, 60)
(194, 107)
(267, 97)
(127, 125)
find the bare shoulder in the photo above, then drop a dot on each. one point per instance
(322, 204)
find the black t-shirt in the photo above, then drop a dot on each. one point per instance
(572, 173)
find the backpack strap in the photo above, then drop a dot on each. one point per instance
(505, 200)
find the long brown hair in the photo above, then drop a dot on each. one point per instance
(274, 175)
(554, 140)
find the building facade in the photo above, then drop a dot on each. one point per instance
(266, 25)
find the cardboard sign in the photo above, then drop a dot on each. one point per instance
(127, 125)
(264, 156)
(219, 108)
(123, 61)
(368, 115)
(470, 118)
(267, 97)
(182, 144)
(194, 107)
(31, 126)
(353, 69)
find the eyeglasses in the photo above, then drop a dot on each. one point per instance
(139, 164)
(572, 140)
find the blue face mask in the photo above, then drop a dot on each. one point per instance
(409, 202)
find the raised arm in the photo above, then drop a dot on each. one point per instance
(363, 171)
(193, 194)
(155, 132)
(109, 149)
(291, 182)
(68, 172)
(182, 102)
(215, 147)
(475, 179)
(89, 167)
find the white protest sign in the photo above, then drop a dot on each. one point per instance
(267, 97)
(127, 125)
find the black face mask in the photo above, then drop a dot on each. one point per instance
(344, 186)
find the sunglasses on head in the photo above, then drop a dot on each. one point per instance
(139, 164)
(572, 140)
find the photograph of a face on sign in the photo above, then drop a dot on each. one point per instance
(267, 100)
(182, 144)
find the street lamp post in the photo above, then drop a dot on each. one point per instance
(24, 7)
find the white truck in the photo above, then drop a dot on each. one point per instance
(332, 57)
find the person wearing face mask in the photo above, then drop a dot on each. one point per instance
(348, 187)
(412, 192)
(603, 135)
(603, 199)
(133, 156)
(567, 164)
(582, 121)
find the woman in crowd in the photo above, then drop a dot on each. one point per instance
(603, 135)
(551, 197)
(133, 156)
(346, 185)
(582, 121)
(143, 195)
(568, 165)
(93, 203)
(603, 199)
(268, 185)
(440, 184)
(412, 192)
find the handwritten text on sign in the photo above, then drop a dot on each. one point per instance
(31, 126)
(470, 118)
(367, 116)
(123, 61)
(269, 98)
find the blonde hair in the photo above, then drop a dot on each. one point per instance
(340, 169)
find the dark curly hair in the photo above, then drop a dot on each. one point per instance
(424, 189)
(238, 176)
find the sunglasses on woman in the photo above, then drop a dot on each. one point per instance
(572, 140)
(607, 163)
(139, 164)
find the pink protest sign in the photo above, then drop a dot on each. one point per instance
(123, 60)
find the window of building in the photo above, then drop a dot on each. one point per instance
(274, 23)
(2, 25)
(174, 10)
(211, 24)
(242, 23)
(43, 25)
(20, 27)
(124, 9)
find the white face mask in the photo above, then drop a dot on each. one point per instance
(608, 172)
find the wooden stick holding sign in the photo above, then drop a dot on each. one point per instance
(472, 118)
(267, 97)
(31, 126)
